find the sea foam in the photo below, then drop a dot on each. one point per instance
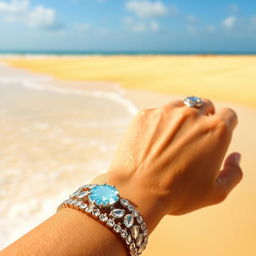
(53, 138)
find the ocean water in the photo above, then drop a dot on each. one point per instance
(122, 52)
(53, 138)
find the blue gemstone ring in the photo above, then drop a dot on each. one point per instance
(193, 101)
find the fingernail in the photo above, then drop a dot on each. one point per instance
(237, 157)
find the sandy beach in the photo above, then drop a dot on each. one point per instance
(62, 117)
(223, 78)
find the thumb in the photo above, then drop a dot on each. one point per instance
(228, 177)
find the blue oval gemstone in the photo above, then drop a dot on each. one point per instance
(104, 195)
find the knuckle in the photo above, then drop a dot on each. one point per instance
(144, 112)
(220, 197)
(207, 101)
(173, 104)
(190, 112)
(160, 113)
(222, 128)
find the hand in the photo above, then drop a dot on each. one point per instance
(169, 160)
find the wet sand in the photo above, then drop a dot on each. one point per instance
(223, 78)
(55, 134)
(52, 139)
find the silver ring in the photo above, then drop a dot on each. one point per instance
(193, 101)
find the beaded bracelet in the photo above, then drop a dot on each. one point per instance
(103, 203)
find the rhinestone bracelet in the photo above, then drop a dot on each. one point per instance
(103, 203)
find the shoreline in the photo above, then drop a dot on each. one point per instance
(122, 53)
(221, 78)
(78, 87)
(16, 56)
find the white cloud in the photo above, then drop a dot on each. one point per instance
(21, 11)
(229, 22)
(41, 17)
(13, 10)
(211, 28)
(146, 9)
(141, 26)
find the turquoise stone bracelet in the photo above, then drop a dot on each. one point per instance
(103, 203)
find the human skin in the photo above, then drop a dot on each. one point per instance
(170, 161)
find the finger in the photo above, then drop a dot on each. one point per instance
(228, 177)
(228, 116)
(175, 103)
(207, 108)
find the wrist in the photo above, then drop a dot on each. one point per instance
(120, 214)
(148, 204)
(148, 207)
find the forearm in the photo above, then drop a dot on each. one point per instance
(73, 233)
(68, 233)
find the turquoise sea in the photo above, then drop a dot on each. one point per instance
(122, 52)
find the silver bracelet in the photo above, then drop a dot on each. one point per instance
(103, 203)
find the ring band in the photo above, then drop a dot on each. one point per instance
(193, 101)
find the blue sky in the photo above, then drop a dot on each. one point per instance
(128, 25)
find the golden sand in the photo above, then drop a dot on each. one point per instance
(228, 229)
(225, 78)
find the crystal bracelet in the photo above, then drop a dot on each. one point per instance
(103, 203)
